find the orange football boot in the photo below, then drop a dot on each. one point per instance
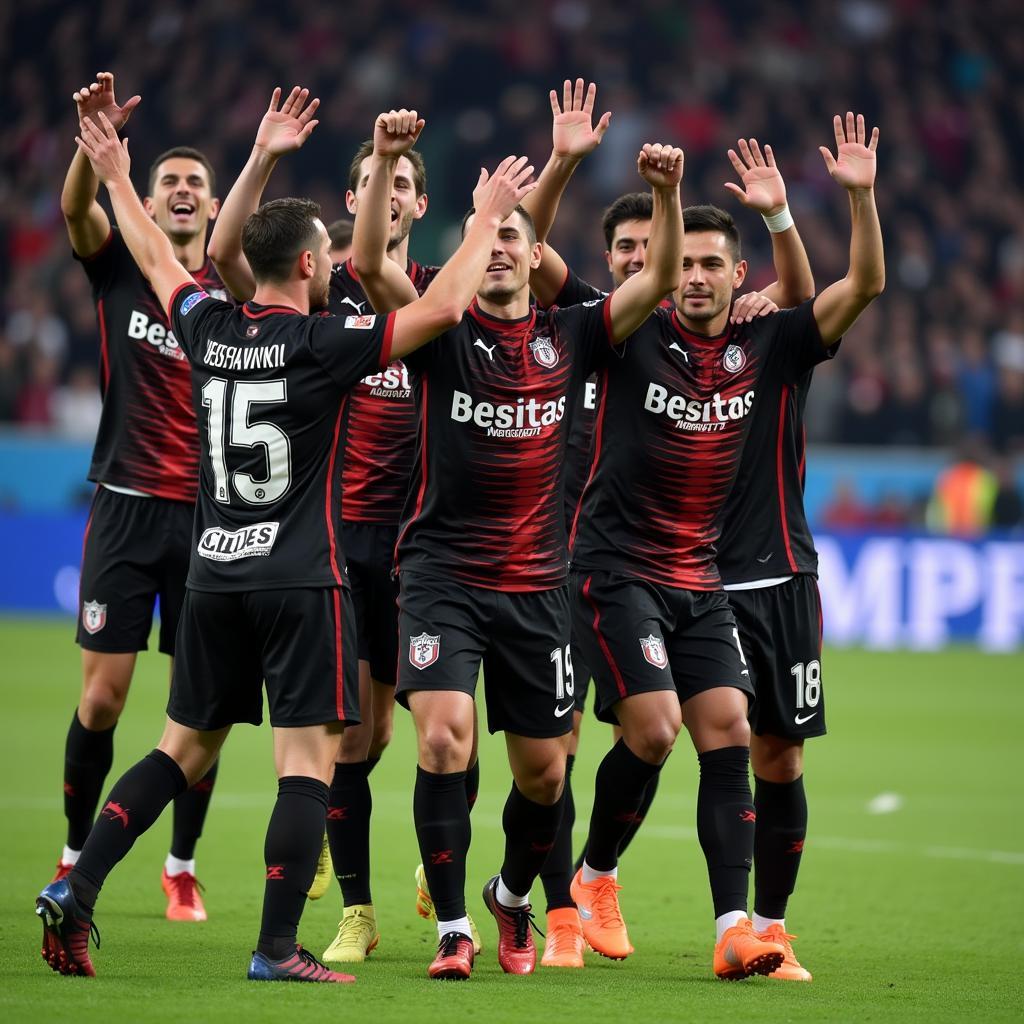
(183, 900)
(600, 917)
(791, 969)
(564, 943)
(741, 952)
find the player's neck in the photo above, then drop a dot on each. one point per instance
(516, 307)
(400, 253)
(707, 328)
(192, 254)
(293, 296)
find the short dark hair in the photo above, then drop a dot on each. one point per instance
(419, 168)
(712, 218)
(275, 235)
(187, 153)
(531, 228)
(631, 206)
(340, 233)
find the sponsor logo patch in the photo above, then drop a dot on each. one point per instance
(94, 616)
(229, 545)
(424, 650)
(653, 648)
(363, 322)
(734, 360)
(544, 352)
(191, 300)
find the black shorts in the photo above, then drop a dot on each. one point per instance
(639, 637)
(522, 639)
(581, 675)
(780, 628)
(299, 642)
(369, 558)
(134, 550)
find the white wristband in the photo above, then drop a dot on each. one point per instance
(781, 221)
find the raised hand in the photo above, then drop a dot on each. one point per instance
(661, 166)
(285, 130)
(763, 188)
(107, 154)
(99, 96)
(396, 132)
(854, 164)
(501, 192)
(572, 131)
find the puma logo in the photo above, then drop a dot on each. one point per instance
(357, 306)
(489, 350)
(682, 352)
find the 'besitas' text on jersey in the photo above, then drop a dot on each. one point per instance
(270, 387)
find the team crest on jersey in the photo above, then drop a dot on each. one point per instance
(654, 650)
(94, 616)
(252, 330)
(544, 352)
(734, 360)
(192, 300)
(423, 650)
(363, 322)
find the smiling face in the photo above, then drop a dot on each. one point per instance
(406, 205)
(628, 249)
(710, 275)
(513, 256)
(181, 204)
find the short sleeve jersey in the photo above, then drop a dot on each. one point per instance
(380, 420)
(765, 533)
(147, 436)
(270, 387)
(673, 415)
(496, 399)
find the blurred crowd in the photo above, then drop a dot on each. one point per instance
(940, 356)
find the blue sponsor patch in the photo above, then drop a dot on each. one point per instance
(190, 301)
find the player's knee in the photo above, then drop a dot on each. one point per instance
(382, 732)
(442, 749)
(544, 786)
(101, 705)
(776, 759)
(654, 742)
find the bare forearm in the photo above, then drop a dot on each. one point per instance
(665, 245)
(373, 218)
(795, 281)
(80, 188)
(867, 254)
(542, 202)
(148, 245)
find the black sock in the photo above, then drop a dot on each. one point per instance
(88, 755)
(778, 843)
(725, 825)
(472, 783)
(530, 832)
(348, 829)
(558, 871)
(645, 805)
(292, 847)
(135, 802)
(441, 813)
(618, 794)
(190, 810)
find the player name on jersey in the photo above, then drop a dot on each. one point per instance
(249, 357)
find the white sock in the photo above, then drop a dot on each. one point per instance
(173, 866)
(726, 921)
(70, 856)
(589, 874)
(762, 924)
(507, 898)
(460, 925)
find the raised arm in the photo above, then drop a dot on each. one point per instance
(281, 131)
(87, 222)
(573, 136)
(150, 247)
(444, 302)
(853, 167)
(637, 297)
(764, 191)
(386, 284)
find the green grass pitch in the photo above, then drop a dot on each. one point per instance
(913, 914)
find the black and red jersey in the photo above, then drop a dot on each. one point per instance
(147, 435)
(764, 529)
(496, 399)
(380, 420)
(673, 414)
(270, 387)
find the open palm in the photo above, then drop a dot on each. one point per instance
(853, 166)
(573, 132)
(763, 188)
(287, 129)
